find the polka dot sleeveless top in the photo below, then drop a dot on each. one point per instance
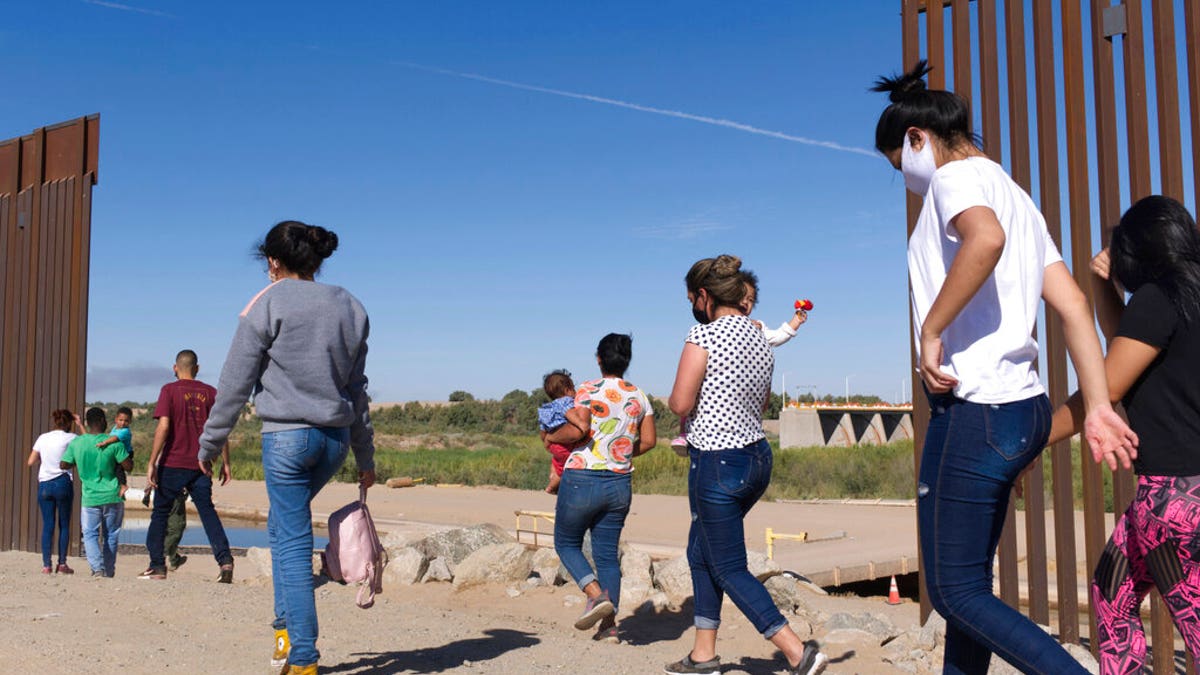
(736, 383)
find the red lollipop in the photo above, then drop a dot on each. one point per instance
(804, 305)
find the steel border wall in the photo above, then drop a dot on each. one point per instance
(46, 180)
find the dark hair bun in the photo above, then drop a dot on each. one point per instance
(725, 265)
(323, 242)
(899, 87)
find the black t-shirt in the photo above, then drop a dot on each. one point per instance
(1164, 403)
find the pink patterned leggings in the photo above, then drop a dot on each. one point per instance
(1157, 542)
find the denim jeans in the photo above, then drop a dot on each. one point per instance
(297, 463)
(171, 482)
(55, 497)
(723, 485)
(102, 555)
(597, 501)
(973, 453)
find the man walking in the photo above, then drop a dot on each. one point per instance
(181, 411)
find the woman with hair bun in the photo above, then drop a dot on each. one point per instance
(301, 349)
(56, 488)
(1153, 354)
(980, 258)
(722, 386)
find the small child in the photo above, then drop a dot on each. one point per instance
(775, 337)
(559, 411)
(123, 433)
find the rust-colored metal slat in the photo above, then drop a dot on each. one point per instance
(911, 49)
(1191, 15)
(935, 50)
(1166, 87)
(1136, 122)
(1081, 228)
(1056, 362)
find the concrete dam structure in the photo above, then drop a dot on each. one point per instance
(843, 426)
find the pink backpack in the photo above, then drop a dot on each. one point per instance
(354, 554)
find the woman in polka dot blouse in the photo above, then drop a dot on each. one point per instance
(722, 386)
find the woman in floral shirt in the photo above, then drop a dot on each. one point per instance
(595, 492)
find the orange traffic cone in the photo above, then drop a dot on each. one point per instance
(893, 593)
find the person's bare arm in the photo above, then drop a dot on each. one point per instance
(579, 422)
(34, 458)
(1109, 301)
(982, 244)
(1110, 438)
(160, 439)
(1126, 361)
(226, 465)
(693, 363)
(647, 436)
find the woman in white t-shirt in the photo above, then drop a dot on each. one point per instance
(56, 489)
(980, 259)
(722, 387)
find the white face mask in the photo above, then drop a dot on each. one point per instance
(917, 166)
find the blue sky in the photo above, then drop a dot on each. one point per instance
(494, 232)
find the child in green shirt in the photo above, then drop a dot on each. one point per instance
(102, 503)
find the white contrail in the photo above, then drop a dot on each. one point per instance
(642, 108)
(128, 8)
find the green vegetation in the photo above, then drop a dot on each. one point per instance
(494, 443)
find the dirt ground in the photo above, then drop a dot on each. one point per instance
(189, 623)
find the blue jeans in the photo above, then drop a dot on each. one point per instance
(723, 485)
(55, 497)
(973, 453)
(171, 482)
(102, 555)
(597, 501)
(297, 464)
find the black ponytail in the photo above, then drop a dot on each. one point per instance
(942, 113)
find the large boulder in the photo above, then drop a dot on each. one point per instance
(394, 542)
(453, 546)
(789, 597)
(877, 625)
(259, 562)
(494, 563)
(761, 566)
(405, 566)
(438, 570)
(674, 578)
(636, 580)
(545, 565)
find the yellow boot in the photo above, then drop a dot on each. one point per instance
(310, 669)
(279, 659)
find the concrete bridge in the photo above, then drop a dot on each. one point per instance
(843, 426)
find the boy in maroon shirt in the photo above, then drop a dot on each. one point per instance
(182, 410)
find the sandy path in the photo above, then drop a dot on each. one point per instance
(189, 623)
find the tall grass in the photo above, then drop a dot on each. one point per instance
(517, 460)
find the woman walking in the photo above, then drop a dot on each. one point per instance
(56, 488)
(301, 348)
(1152, 359)
(722, 387)
(595, 492)
(980, 258)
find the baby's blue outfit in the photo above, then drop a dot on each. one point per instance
(553, 415)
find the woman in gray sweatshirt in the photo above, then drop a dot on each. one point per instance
(300, 349)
